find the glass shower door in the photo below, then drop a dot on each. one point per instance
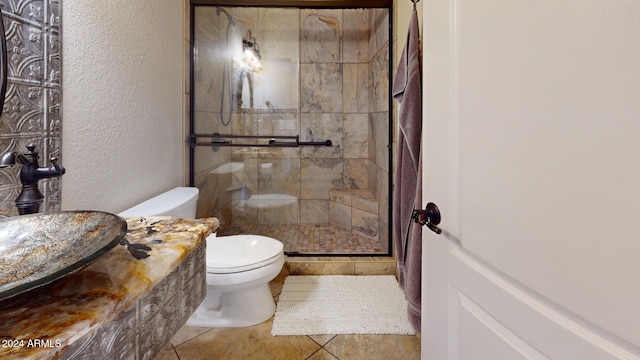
(290, 119)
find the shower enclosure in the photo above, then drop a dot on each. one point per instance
(291, 125)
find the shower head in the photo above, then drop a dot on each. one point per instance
(229, 17)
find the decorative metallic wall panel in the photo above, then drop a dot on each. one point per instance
(32, 105)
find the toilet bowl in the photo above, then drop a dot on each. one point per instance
(239, 267)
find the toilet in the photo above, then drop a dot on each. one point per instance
(239, 267)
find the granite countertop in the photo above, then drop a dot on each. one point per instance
(42, 322)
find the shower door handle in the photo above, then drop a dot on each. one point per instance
(429, 217)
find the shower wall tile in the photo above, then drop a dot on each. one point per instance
(321, 127)
(280, 123)
(208, 90)
(379, 31)
(355, 84)
(378, 172)
(373, 43)
(321, 88)
(356, 136)
(379, 186)
(275, 212)
(242, 214)
(384, 200)
(378, 91)
(212, 98)
(364, 223)
(341, 197)
(311, 267)
(379, 82)
(246, 123)
(224, 214)
(245, 17)
(215, 196)
(356, 174)
(379, 137)
(279, 176)
(355, 36)
(240, 154)
(365, 201)
(207, 197)
(206, 122)
(242, 123)
(209, 61)
(314, 211)
(318, 176)
(383, 237)
(280, 153)
(278, 33)
(340, 215)
(382, 27)
(320, 35)
(247, 175)
(213, 158)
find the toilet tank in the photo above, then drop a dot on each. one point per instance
(180, 202)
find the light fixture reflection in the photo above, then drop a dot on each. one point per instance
(252, 59)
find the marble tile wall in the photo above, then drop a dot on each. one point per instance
(379, 121)
(341, 93)
(359, 60)
(32, 105)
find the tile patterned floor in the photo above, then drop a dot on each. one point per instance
(257, 343)
(311, 238)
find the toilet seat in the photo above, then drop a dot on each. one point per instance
(237, 271)
(238, 253)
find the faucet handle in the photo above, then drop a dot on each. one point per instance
(54, 162)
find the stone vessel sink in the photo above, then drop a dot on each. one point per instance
(38, 249)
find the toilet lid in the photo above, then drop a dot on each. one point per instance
(228, 254)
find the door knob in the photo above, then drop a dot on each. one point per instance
(429, 217)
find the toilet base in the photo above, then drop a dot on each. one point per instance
(240, 308)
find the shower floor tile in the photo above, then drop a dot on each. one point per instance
(311, 238)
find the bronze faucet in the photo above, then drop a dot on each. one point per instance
(30, 198)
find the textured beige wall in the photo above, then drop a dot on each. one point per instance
(123, 101)
(403, 9)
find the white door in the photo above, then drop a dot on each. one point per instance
(532, 153)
